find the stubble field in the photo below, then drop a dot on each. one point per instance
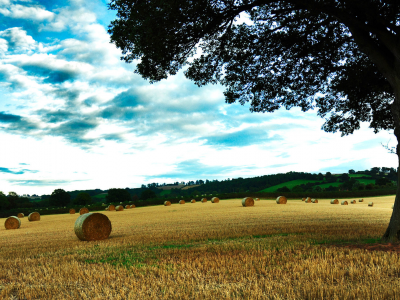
(206, 251)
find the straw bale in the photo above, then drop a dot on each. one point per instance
(334, 201)
(308, 200)
(72, 211)
(204, 200)
(103, 204)
(83, 210)
(360, 200)
(127, 206)
(167, 203)
(345, 202)
(281, 200)
(133, 206)
(314, 200)
(248, 201)
(215, 200)
(20, 215)
(34, 216)
(12, 223)
(111, 207)
(371, 204)
(257, 199)
(304, 199)
(193, 201)
(353, 202)
(92, 227)
(119, 208)
(392, 206)
(181, 201)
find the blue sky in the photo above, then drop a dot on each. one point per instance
(74, 116)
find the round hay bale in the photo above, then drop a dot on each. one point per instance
(353, 202)
(193, 201)
(103, 204)
(111, 207)
(204, 200)
(392, 206)
(20, 215)
(83, 210)
(181, 201)
(12, 223)
(34, 216)
(133, 206)
(119, 208)
(92, 227)
(106, 208)
(167, 203)
(120, 202)
(314, 200)
(308, 200)
(345, 202)
(334, 201)
(127, 206)
(215, 200)
(257, 199)
(72, 211)
(371, 204)
(281, 200)
(304, 199)
(248, 201)
(360, 200)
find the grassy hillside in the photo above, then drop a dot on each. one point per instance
(289, 184)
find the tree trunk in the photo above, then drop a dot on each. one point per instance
(392, 233)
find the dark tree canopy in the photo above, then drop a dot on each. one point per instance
(118, 195)
(303, 53)
(83, 198)
(59, 197)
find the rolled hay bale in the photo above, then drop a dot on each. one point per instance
(392, 206)
(167, 203)
(304, 199)
(133, 206)
(334, 201)
(204, 200)
(353, 202)
(193, 201)
(360, 200)
(103, 204)
(111, 207)
(215, 200)
(314, 200)
(20, 215)
(127, 206)
(248, 201)
(370, 203)
(120, 202)
(308, 200)
(281, 200)
(119, 208)
(257, 199)
(92, 227)
(12, 223)
(72, 211)
(182, 202)
(34, 216)
(345, 202)
(83, 210)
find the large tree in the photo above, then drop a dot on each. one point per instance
(341, 57)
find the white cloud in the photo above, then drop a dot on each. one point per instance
(18, 40)
(35, 13)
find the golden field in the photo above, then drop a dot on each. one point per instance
(206, 251)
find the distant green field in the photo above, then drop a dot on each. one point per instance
(289, 184)
(293, 183)
(165, 192)
(100, 196)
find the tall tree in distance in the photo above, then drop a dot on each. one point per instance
(341, 57)
(59, 197)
